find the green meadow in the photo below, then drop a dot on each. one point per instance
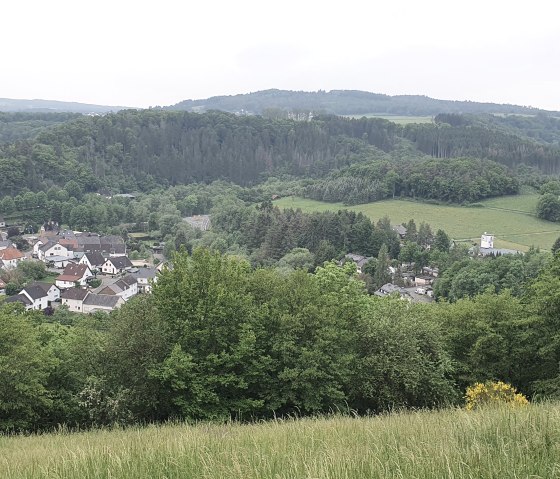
(453, 443)
(511, 218)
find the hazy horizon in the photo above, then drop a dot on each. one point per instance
(142, 54)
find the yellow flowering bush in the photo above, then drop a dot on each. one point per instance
(493, 393)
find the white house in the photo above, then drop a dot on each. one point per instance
(37, 295)
(93, 260)
(73, 298)
(53, 248)
(487, 240)
(36, 247)
(10, 257)
(41, 294)
(145, 277)
(116, 265)
(423, 280)
(72, 274)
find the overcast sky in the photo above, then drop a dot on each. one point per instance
(147, 53)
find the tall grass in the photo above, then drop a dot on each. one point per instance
(456, 444)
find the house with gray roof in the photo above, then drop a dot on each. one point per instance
(116, 265)
(73, 299)
(94, 260)
(145, 277)
(20, 298)
(400, 230)
(125, 287)
(101, 302)
(359, 260)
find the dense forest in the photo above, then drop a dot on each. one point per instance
(344, 102)
(542, 127)
(142, 150)
(455, 180)
(22, 126)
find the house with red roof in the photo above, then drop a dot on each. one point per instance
(74, 274)
(10, 257)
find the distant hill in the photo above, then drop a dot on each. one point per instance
(47, 106)
(345, 102)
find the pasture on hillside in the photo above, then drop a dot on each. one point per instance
(491, 443)
(510, 218)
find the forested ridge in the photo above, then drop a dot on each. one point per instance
(344, 102)
(350, 160)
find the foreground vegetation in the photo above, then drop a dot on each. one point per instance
(492, 443)
(218, 339)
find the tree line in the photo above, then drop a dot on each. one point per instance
(455, 180)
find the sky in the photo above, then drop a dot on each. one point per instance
(149, 53)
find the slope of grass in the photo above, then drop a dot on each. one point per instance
(424, 445)
(509, 218)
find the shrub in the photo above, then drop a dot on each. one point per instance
(492, 393)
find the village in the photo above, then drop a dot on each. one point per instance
(91, 272)
(94, 273)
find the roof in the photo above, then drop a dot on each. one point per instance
(95, 258)
(389, 288)
(101, 300)
(11, 253)
(400, 229)
(118, 285)
(48, 245)
(19, 298)
(37, 290)
(76, 294)
(358, 259)
(129, 280)
(73, 272)
(120, 262)
(148, 273)
(6, 244)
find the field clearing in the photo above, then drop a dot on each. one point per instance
(522, 203)
(508, 218)
(399, 119)
(493, 443)
(141, 236)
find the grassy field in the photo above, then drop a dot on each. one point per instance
(399, 119)
(510, 218)
(455, 444)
